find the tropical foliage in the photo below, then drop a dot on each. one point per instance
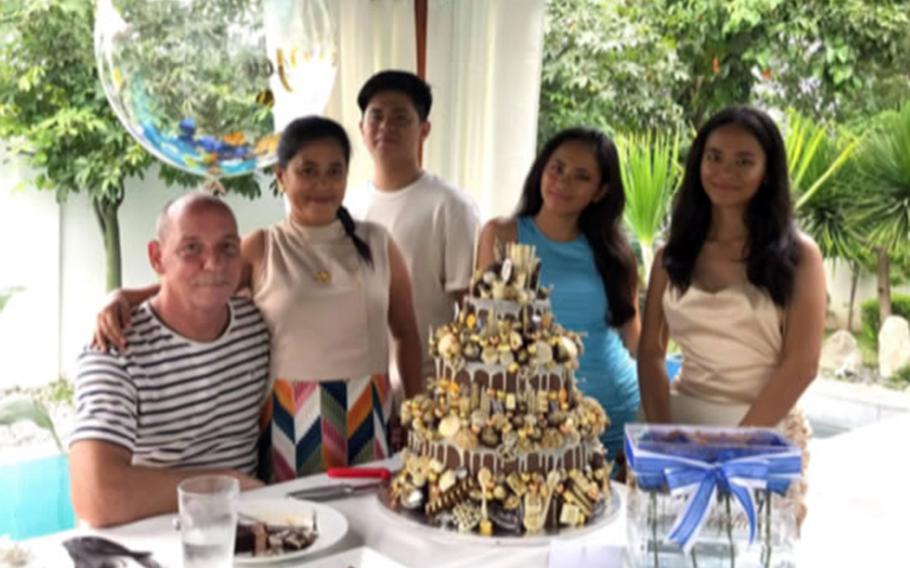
(651, 172)
(15, 409)
(884, 210)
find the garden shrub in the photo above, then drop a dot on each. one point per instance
(900, 306)
(900, 379)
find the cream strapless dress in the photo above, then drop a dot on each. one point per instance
(731, 342)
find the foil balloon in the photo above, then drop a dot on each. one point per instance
(207, 86)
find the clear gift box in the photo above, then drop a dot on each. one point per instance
(702, 496)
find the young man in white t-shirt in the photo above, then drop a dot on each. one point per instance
(433, 222)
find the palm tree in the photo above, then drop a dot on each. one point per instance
(814, 155)
(651, 172)
(824, 181)
(884, 163)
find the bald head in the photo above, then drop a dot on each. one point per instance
(195, 202)
(197, 254)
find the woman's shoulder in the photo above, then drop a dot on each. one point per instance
(253, 244)
(806, 244)
(807, 249)
(503, 228)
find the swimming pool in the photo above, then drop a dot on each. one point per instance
(35, 498)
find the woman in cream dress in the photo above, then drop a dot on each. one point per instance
(737, 286)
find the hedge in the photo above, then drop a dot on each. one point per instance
(900, 306)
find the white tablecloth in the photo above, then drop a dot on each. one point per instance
(857, 503)
(367, 526)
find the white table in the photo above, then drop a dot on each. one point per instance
(858, 499)
(858, 512)
(367, 526)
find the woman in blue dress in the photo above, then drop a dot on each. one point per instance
(571, 211)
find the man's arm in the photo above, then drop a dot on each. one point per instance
(108, 490)
(403, 324)
(460, 229)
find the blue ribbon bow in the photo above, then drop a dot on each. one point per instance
(703, 480)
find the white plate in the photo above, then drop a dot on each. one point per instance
(448, 536)
(331, 524)
(363, 557)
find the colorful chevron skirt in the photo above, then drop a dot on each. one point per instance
(317, 425)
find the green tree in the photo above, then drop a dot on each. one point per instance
(884, 162)
(826, 185)
(822, 57)
(603, 67)
(54, 114)
(640, 65)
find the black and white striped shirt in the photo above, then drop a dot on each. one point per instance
(175, 402)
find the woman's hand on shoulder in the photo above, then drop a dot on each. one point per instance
(499, 230)
(112, 322)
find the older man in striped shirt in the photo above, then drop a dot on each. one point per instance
(182, 398)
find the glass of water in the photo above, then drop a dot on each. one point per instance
(208, 520)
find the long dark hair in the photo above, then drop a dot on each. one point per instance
(772, 253)
(301, 132)
(599, 222)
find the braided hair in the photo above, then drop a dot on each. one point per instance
(302, 131)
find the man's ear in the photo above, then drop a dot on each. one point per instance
(154, 252)
(425, 128)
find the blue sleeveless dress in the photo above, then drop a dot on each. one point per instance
(606, 371)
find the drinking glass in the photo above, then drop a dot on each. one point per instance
(208, 520)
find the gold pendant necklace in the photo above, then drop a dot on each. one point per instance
(312, 260)
(316, 267)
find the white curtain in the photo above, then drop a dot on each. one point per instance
(483, 62)
(372, 35)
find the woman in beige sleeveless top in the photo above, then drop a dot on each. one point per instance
(331, 290)
(739, 289)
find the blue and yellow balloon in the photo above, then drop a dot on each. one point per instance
(207, 86)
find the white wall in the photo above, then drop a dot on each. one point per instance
(838, 280)
(55, 254)
(839, 292)
(30, 259)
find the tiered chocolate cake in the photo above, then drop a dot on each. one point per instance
(504, 442)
